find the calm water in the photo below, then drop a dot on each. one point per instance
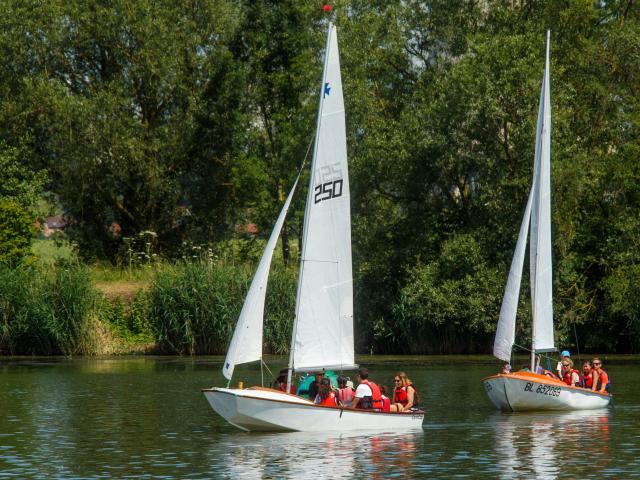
(146, 418)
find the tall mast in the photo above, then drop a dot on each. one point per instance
(306, 211)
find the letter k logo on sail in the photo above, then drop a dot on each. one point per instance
(327, 90)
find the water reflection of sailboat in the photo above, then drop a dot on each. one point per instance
(540, 444)
(318, 454)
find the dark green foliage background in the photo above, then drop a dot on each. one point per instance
(190, 119)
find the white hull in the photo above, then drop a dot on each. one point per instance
(524, 391)
(266, 410)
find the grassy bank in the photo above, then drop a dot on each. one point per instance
(188, 307)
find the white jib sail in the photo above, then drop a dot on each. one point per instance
(540, 245)
(246, 343)
(323, 329)
(506, 330)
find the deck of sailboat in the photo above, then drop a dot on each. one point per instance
(266, 409)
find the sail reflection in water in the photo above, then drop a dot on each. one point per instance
(542, 444)
(318, 454)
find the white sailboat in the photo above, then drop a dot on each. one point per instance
(323, 329)
(520, 391)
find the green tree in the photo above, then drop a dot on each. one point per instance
(16, 233)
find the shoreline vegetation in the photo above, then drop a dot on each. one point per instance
(60, 306)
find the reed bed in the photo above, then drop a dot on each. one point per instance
(46, 312)
(194, 309)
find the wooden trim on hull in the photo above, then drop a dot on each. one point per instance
(526, 391)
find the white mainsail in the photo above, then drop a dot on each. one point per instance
(540, 245)
(323, 328)
(246, 343)
(537, 216)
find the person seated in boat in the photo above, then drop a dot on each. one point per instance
(506, 368)
(367, 396)
(601, 380)
(587, 375)
(386, 401)
(345, 392)
(559, 367)
(539, 369)
(315, 385)
(571, 375)
(326, 396)
(405, 395)
(280, 383)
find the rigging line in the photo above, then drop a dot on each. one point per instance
(542, 355)
(575, 333)
(267, 367)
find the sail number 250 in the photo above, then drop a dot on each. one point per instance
(327, 191)
(330, 182)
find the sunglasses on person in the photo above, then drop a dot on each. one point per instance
(397, 380)
(596, 364)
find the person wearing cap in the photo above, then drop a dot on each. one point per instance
(560, 368)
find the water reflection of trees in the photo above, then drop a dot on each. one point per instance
(318, 454)
(547, 444)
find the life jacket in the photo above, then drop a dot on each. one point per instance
(374, 402)
(599, 384)
(345, 395)
(292, 389)
(567, 377)
(386, 403)
(587, 380)
(400, 396)
(330, 401)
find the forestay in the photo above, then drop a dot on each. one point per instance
(323, 331)
(246, 344)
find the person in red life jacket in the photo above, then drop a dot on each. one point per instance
(280, 383)
(571, 375)
(405, 395)
(386, 401)
(587, 375)
(326, 396)
(600, 377)
(345, 392)
(367, 394)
